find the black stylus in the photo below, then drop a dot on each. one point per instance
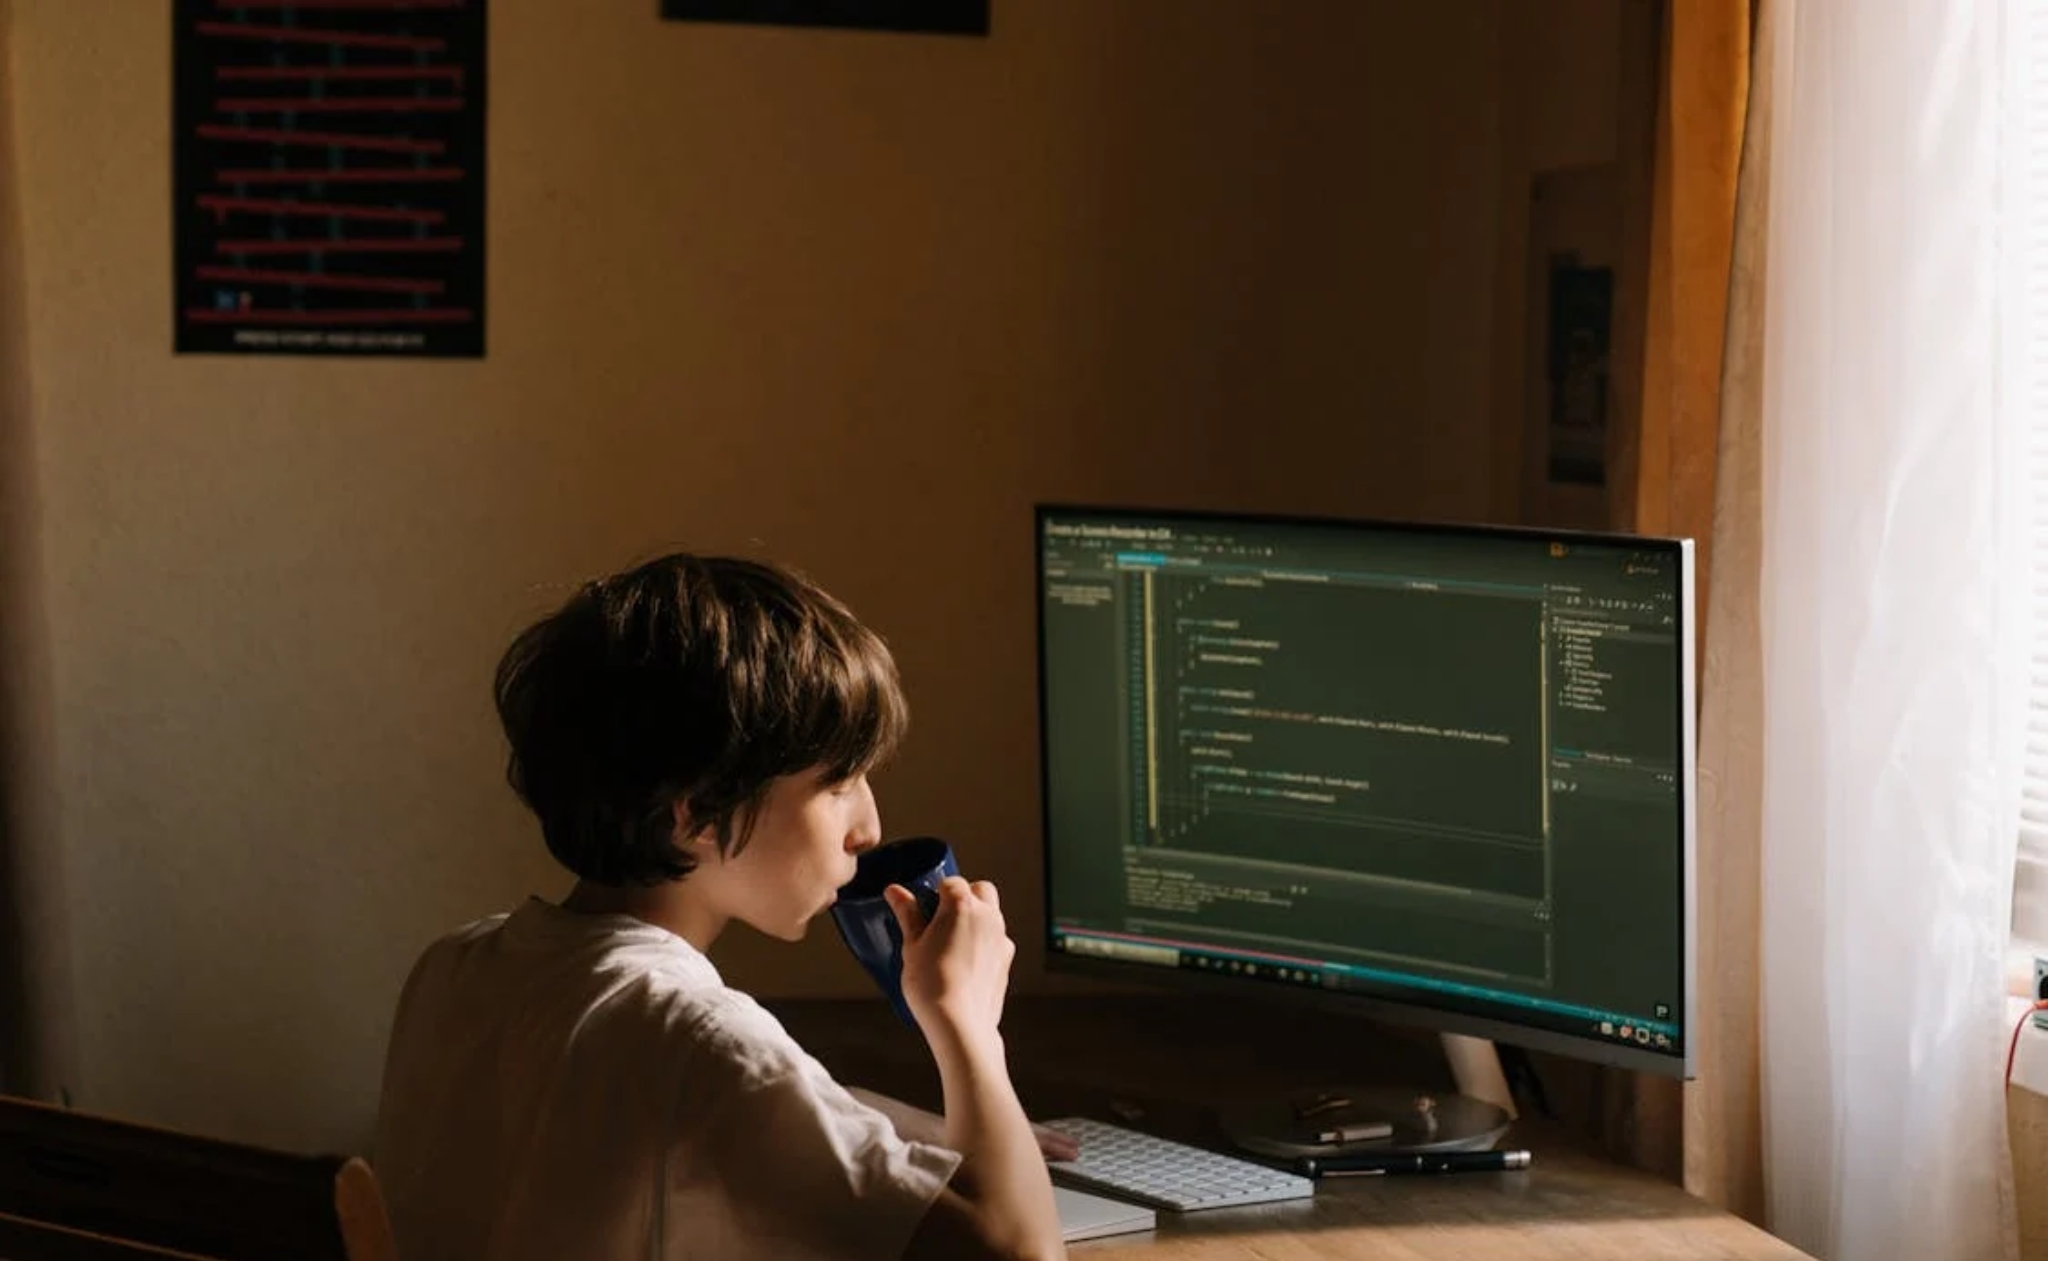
(1409, 1162)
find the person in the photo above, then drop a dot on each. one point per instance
(575, 1080)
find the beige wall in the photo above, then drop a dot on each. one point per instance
(849, 301)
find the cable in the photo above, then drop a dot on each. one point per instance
(2012, 1048)
(1523, 1083)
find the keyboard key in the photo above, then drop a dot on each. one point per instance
(1164, 1174)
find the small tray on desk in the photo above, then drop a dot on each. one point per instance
(1086, 1216)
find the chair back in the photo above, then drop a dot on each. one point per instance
(80, 1187)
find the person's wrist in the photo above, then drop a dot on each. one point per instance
(968, 1040)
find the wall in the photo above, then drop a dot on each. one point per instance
(850, 301)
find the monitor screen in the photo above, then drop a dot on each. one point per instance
(1445, 771)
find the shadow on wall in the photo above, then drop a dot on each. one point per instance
(1298, 232)
(35, 1040)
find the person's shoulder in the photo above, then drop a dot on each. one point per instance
(724, 1031)
(468, 934)
(647, 985)
(538, 945)
(455, 943)
(441, 982)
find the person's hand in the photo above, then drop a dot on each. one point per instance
(956, 968)
(1055, 1146)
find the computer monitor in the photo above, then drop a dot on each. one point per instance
(1442, 774)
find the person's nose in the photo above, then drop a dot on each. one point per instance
(866, 832)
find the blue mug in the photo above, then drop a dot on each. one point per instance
(866, 923)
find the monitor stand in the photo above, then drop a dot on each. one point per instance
(1326, 1121)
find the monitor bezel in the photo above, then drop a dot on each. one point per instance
(1398, 1008)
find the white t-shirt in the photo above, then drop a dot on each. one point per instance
(563, 1086)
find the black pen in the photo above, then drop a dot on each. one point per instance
(1367, 1166)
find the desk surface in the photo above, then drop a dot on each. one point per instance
(1075, 1056)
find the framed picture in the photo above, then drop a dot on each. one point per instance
(328, 178)
(943, 17)
(1581, 322)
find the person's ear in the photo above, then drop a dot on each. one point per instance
(700, 843)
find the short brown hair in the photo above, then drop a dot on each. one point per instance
(691, 680)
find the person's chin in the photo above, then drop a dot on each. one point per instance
(803, 927)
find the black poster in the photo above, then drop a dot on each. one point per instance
(944, 17)
(1581, 327)
(328, 169)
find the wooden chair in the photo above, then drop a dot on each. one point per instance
(78, 1187)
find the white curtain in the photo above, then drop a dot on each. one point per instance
(1893, 620)
(2025, 273)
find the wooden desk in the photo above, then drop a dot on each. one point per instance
(1075, 1056)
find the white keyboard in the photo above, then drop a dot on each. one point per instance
(1165, 1174)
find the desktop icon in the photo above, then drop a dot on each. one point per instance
(1607, 1028)
(1627, 1033)
(1642, 1035)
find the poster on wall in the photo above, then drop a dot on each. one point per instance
(328, 173)
(1581, 318)
(942, 17)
